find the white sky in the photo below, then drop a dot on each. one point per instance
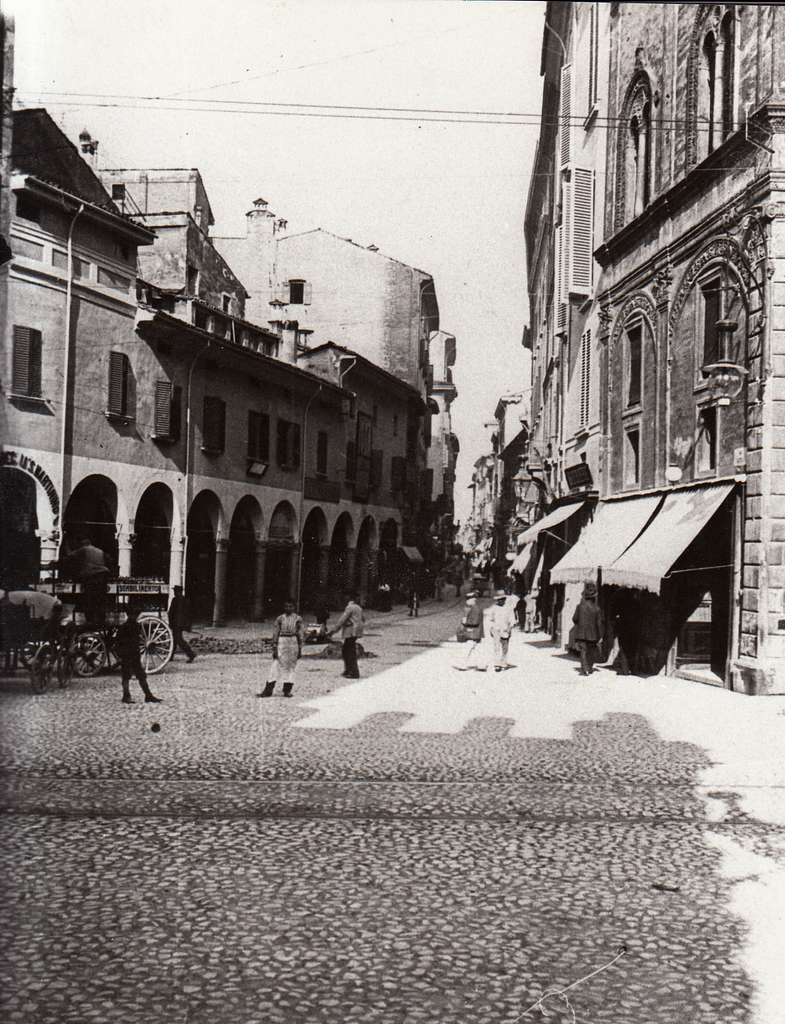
(447, 198)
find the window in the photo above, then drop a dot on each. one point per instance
(112, 280)
(351, 461)
(321, 453)
(398, 473)
(635, 152)
(118, 193)
(395, 425)
(634, 364)
(594, 16)
(712, 312)
(377, 468)
(167, 412)
(585, 396)
(81, 268)
(711, 81)
(375, 414)
(226, 303)
(258, 436)
(707, 439)
(120, 392)
(296, 292)
(24, 247)
(191, 280)
(213, 425)
(288, 445)
(632, 457)
(27, 210)
(26, 372)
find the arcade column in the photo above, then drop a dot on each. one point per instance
(176, 558)
(257, 611)
(50, 545)
(294, 566)
(219, 602)
(125, 547)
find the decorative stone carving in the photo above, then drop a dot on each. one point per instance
(720, 250)
(660, 286)
(638, 303)
(605, 317)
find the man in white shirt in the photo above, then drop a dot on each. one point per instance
(351, 626)
(501, 619)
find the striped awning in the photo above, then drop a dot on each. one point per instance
(548, 522)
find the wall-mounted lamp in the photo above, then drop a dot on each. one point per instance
(725, 377)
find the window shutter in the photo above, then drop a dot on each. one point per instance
(585, 377)
(398, 472)
(254, 422)
(163, 409)
(351, 461)
(294, 434)
(281, 441)
(214, 424)
(117, 383)
(581, 216)
(263, 441)
(307, 293)
(21, 376)
(321, 453)
(176, 414)
(565, 112)
(558, 284)
(377, 463)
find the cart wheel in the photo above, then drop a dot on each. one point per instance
(90, 655)
(157, 643)
(41, 668)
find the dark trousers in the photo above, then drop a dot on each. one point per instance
(349, 652)
(131, 665)
(588, 652)
(182, 643)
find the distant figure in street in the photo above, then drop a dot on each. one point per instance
(589, 629)
(413, 597)
(351, 624)
(179, 619)
(87, 565)
(471, 628)
(288, 635)
(321, 612)
(129, 641)
(501, 621)
(531, 610)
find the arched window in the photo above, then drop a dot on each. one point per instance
(710, 80)
(634, 157)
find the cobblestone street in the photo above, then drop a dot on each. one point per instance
(422, 845)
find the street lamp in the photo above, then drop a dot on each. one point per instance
(725, 377)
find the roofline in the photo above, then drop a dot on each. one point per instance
(304, 375)
(119, 222)
(363, 248)
(366, 362)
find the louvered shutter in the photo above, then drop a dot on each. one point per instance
(281, 441)
(117, 384)
(220, 429)
(398, 472)
(177, 413)
(565, 113)
(351, 461)
(34, 365)
(20, 380)
(254, 420)
(558, 283)
(377, 462)
(585, 376)
(581, 196)
(263, 443)
(214, 423)
(294, 435)
(307, 290)
(163, 409)
(321, 453)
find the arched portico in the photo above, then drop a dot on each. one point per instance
(366, 560)
(245, 533)
(281, 568)
(20, 547)
(341, 562)
(315, 558)
(152, 550)
(94, 512)
(204, 536)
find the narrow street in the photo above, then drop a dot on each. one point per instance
(422, 845)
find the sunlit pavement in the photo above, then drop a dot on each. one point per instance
(423, 844)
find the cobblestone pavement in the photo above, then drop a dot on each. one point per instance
(424, 845)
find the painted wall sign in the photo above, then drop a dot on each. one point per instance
(16, 460)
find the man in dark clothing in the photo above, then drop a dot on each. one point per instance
(87, 565)
(351, 626)
(589, 628)
(179, 619)
(129, 640)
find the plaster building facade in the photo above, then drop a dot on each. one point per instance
(444, 445)
(692, 343)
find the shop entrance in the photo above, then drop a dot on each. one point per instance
(20, 548)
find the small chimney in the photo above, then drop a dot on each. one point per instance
(89, 147)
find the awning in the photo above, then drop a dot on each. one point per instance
(413, 554)
(522, 558)
(681, 518)
(615, 526)
(548, 522)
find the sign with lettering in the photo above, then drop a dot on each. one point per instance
(10, 459)
(578, 476)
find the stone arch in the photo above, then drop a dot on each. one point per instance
(283, 523)
(95, 510)
(315, 554)
(341, 562)
(721, 251)
(20, 546)
(245, 532)
(388, 562)
(715, 24)
(636, 305)
(204, 528)
(635, 172)
(154, 520)
(280, 580)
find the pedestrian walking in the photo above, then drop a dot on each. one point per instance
(129, 641)
(501, 621)
(288, 635)
(414, 598)
(351, 625)
(470, 629)
(589, 628)
(180, 619)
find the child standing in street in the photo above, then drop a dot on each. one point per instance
(129, 642)
(288, 634)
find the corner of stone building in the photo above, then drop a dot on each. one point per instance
(757, 677)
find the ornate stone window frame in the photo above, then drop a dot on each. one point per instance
(715, 22)
(637, 107)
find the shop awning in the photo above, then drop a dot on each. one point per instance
(413, 554)
(615, 526)
(548, 522)
(521, 560)
(681, 518)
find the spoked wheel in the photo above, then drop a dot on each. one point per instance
(41, 665)
(157, 645)
(90, 655)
